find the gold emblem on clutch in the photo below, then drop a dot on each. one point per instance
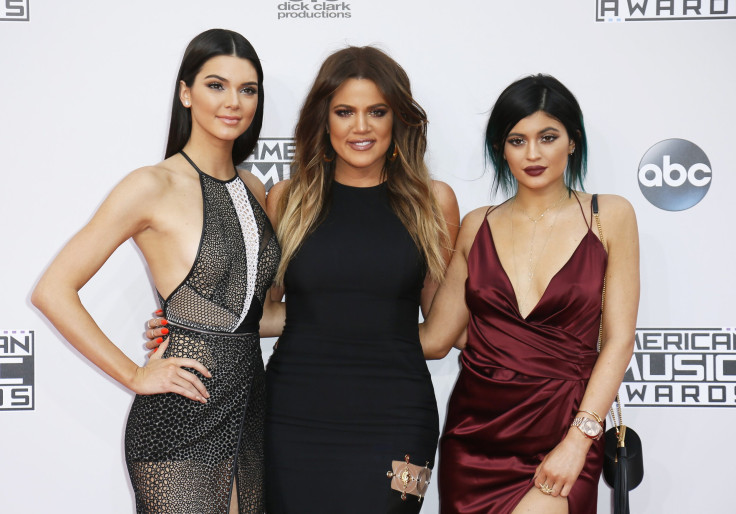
(409, 478)
(405, 477)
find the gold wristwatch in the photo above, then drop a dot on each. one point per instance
(589, 427)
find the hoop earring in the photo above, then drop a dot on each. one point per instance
(395, 153)
(328, 150)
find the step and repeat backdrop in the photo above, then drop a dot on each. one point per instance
(85, 98)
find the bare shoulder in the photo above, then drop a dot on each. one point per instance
(254, 185)
(132, 204)
(276, 191)
(146, 182)
(615, 203)
(616, 209)
(476, 216)
(447, 202)
(443, 192)
(152, 186)
(474, 219)
(171, 172)
(619, 225)
(273, 197)
(472, 222)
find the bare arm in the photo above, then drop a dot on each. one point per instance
(272, 205)
(255, 186)
(450, 211)
(564, 463)
(274, 309)
(621, 303)
(274, 314)
(445, 324)
(126, 212)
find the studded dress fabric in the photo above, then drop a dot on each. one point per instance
(184, 456)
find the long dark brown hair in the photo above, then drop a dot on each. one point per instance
(409, 186)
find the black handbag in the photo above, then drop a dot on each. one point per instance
(623, 462)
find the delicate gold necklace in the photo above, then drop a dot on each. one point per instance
(545, 211)
(532, 264)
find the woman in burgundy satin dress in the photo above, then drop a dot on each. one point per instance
(523, 430)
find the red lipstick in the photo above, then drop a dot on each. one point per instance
(534, 171)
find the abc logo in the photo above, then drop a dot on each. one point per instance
(674, 174)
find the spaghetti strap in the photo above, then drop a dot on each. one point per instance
(590, 224)
(492, 208)
(593, 208)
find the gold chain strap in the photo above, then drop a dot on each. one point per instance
(600, 328)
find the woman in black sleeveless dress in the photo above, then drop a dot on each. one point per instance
(365, 235)
(194, 438)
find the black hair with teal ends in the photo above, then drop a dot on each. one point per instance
(205, 46)
(521, 99)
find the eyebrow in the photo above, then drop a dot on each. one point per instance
(540, 132)
(223, 79)
(369, 107)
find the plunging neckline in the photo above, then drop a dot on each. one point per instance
(254, 204)
(554, 276)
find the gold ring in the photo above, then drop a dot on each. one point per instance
(545, 488)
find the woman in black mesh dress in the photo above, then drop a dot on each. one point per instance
(194, 438)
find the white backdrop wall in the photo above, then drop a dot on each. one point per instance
(84, 99)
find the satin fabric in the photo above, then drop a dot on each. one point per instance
(521, 382)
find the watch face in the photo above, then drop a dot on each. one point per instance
(591, 428)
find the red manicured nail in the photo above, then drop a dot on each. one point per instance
(164, 331)
(159, 340)
(164, 322)
(155, 350)
(159, 312)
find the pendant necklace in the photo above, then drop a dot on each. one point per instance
(532, 264)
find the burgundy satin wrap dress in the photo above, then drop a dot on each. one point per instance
(521, 381)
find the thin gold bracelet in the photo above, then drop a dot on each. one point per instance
(595, 415)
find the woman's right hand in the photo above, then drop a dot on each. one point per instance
(168, 375)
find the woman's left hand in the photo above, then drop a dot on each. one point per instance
(560, 468)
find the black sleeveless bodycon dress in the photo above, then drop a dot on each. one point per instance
(184, 456)
(348, 387)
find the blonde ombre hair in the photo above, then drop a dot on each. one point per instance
(302, 207)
